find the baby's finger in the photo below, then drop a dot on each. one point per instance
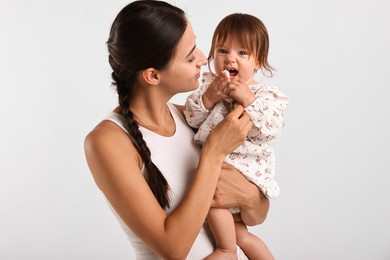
(226, 89)
(219, 82)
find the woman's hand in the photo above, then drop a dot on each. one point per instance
(234, 189)
(229, 133)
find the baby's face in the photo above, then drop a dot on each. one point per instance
(238, 61)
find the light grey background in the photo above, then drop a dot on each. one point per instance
(332, 60)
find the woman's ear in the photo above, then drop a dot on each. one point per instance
(151, 76)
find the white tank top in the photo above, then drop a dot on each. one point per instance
(177, 157)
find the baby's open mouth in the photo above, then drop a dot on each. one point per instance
(233, 72)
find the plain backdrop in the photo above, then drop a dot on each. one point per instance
(332, 59)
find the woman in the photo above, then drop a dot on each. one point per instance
(142, 157)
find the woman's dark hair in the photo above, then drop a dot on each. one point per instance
(144, 35)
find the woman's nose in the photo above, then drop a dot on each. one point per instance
(202, 58)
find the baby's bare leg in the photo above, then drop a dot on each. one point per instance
(252, 246)
(222, 225)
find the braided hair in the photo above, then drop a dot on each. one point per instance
(144, 35)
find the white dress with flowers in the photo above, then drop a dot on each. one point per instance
(255, 158)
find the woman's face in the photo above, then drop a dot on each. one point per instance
(183, 71)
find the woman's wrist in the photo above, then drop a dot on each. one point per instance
(211, 154)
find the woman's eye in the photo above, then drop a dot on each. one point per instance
(192, 58)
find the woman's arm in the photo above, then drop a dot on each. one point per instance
(234, 189)
(115, 165)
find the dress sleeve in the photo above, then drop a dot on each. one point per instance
(266, 112)
(194, 110)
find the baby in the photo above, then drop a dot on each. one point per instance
(239, 49)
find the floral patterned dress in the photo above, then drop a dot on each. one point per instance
(255, 158)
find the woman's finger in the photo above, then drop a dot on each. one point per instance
(227, 166)
(236, 112)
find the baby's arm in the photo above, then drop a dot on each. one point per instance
(266, 112)
(194, 110)
(241, 93)
(201, 101)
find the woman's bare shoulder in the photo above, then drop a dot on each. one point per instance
(107, 139)
(103, 132)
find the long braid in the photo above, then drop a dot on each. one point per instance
(144, 34)
(155, 179)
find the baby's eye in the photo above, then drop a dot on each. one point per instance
(243, 53)
(222, 51)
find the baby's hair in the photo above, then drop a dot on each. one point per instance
(145, 34)
(247, 30)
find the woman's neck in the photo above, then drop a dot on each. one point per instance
(152, 113)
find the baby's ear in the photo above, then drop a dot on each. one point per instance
(257, 67)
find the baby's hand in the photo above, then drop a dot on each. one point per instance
(217, 90)
(241, 93)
